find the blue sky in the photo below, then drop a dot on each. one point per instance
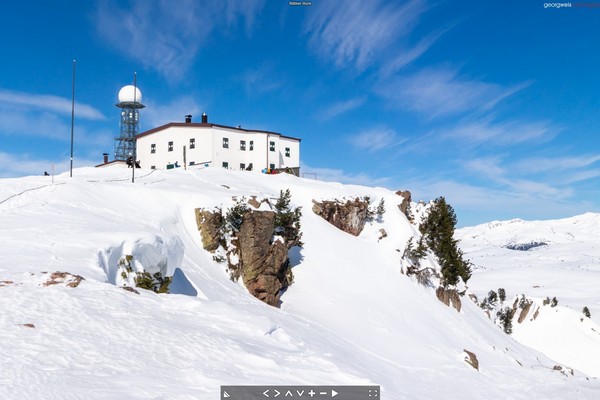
(494, 105)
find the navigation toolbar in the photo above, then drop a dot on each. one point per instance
(300, 392)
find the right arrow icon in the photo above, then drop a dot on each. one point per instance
(333, 393)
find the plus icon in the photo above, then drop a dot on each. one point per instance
(311, 393)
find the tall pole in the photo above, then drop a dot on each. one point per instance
(72, 118)
(135, 115)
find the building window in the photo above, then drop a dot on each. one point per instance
(170, 146)
(272, 146)
(192, 143)
(251, 145)
(153, 148)
(225, 165)
(225, 143)
(287, 151)
(271, 166)
(242, 166)
(243, 145)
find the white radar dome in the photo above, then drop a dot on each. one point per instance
(126, 94)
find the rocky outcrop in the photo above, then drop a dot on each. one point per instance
(449, 297)
(406, 199)
(255, 243)
(471, 359)
(524, 312)
(264, 265)
(209, 223)
(350, 217)
(70, 280)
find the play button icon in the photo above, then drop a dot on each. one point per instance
(333, 393)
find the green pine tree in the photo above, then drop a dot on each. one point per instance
(438, 229)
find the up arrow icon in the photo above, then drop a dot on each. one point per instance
(333, 393)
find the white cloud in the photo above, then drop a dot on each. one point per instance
(338, 175)
(543, 164)
(175, 111)
(43, 124)
(507, 133)
(477, 204)
(167, 36)
(55, 104)
(374, 140)
(441, 92)
(355, 32)
(12, 165)
(488, 167)
(260, 80)
(340, 108)
(405, 57)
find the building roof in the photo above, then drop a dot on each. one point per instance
(208, 125)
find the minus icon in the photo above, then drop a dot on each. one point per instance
(323, 393)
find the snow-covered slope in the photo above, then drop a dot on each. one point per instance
(557, 258)
(350, 317)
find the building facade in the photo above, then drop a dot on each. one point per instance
(205, 144)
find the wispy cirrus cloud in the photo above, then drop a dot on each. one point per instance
(544, 164)
(167, 37)
(486, 131)
(376, 139)
(13, 165)
(12, 100)
(356, 32)
(261, 80)
(339, 108)
(341, 176)
(472, 201)
(174, 111)
(437, 92)
(404, 57)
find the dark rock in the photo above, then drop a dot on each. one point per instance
(472, 359)
(406, 199)
(130, 289)
(349, 217)
(68, 279)
(524, 312)
(265, 268)
(209, 223)
(28, 325)
(383, 233)
(253, 202)
(449, 296)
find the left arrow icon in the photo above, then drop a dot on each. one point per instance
(266, 393)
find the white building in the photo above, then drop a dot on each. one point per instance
(192, 144)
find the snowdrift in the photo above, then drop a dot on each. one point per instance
(351, 317)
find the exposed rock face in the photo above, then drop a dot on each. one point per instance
(350, 217)
(472, 359)
(264, 265)
(524, 312)
(449, 296)
(66, 278)
(406, 199)
(209, 224)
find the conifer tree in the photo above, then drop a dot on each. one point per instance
(287, 220)
(438, 230)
